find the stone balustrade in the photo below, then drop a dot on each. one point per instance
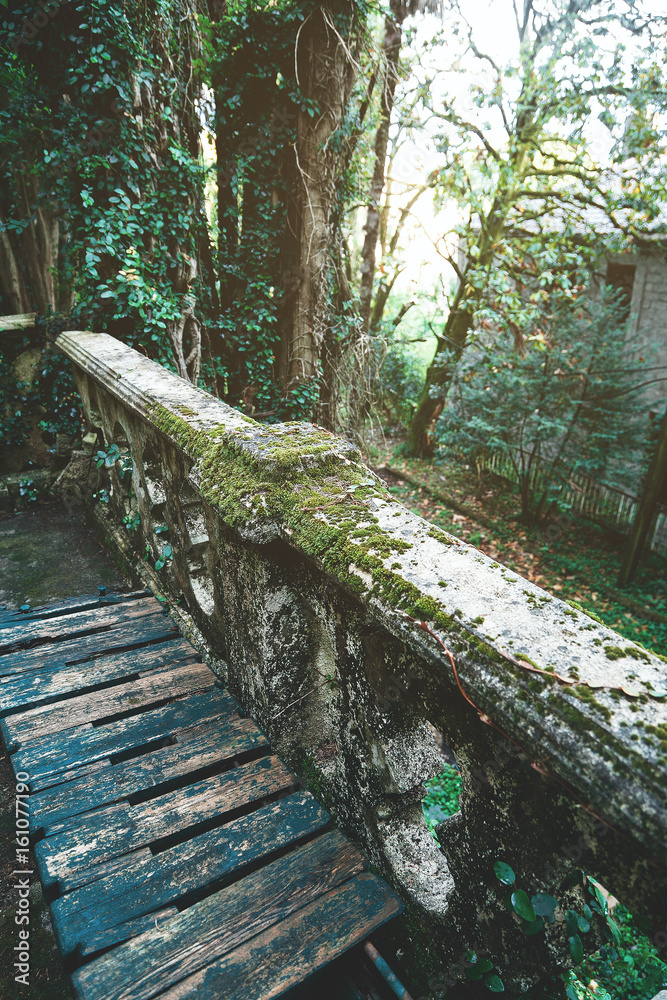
(360, 637)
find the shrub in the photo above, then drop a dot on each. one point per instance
(563, 402)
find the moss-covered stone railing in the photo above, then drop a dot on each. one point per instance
(361, 638)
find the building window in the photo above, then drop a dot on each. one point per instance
(621, 277)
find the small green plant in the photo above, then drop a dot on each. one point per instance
(28, 490)
(164, 558)
(112, 456)
(102, 496)
(627, 966)
(442, 797)
(479, 969)
(630, 968)
(132, 521)
(167, 554)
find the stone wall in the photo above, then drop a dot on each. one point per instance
(355, 632)
(648, 310)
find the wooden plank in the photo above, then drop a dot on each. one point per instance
(48, 781)
(70, 604)
(152, 628)
(15, 637)
(34, 687)
(219, 854)
(287, 953)
(112, 866)
(84, 745)
(20, 321)
(194, 750)
(216, 925)
(115, 640)
(71, 857)
(21, 727)
(124, 932)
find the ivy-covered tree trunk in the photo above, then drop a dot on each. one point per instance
(102, 203)
(29, 244)
(325, 75)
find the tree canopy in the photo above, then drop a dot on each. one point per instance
(218, 183)
(554, 156)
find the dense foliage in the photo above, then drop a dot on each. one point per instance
(561, 404)
(106, 181)
(103, 152)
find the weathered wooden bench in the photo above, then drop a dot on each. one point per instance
(179, 855)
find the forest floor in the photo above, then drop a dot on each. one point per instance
(570, 556)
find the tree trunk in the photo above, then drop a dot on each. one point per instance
(453, 340)
(29, 262)
(439, 376)
(325, 75)
(359, 394)
(654, 487)
(391, 50)
(14, 292)
(479, 256)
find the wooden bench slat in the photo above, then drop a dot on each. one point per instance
(82, 602)
(194, 750)
(151, 629)
(130, 929)
(67, 626)
(157, 685)
(85, 744)
(287, 953)
(216, 925)
(33, 687)
(218, 854)
(71, 857)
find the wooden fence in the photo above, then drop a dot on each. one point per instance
(584, 495)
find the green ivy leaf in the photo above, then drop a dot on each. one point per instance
(600, 896)
(544, 905)
(615, 930)
(474, 973)
(576, 949)
(504, 873)
(522, 905)
(494, 983)
(532, 927)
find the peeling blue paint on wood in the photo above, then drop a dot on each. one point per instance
(176, 844)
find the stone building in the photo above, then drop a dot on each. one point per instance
(643, 278)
